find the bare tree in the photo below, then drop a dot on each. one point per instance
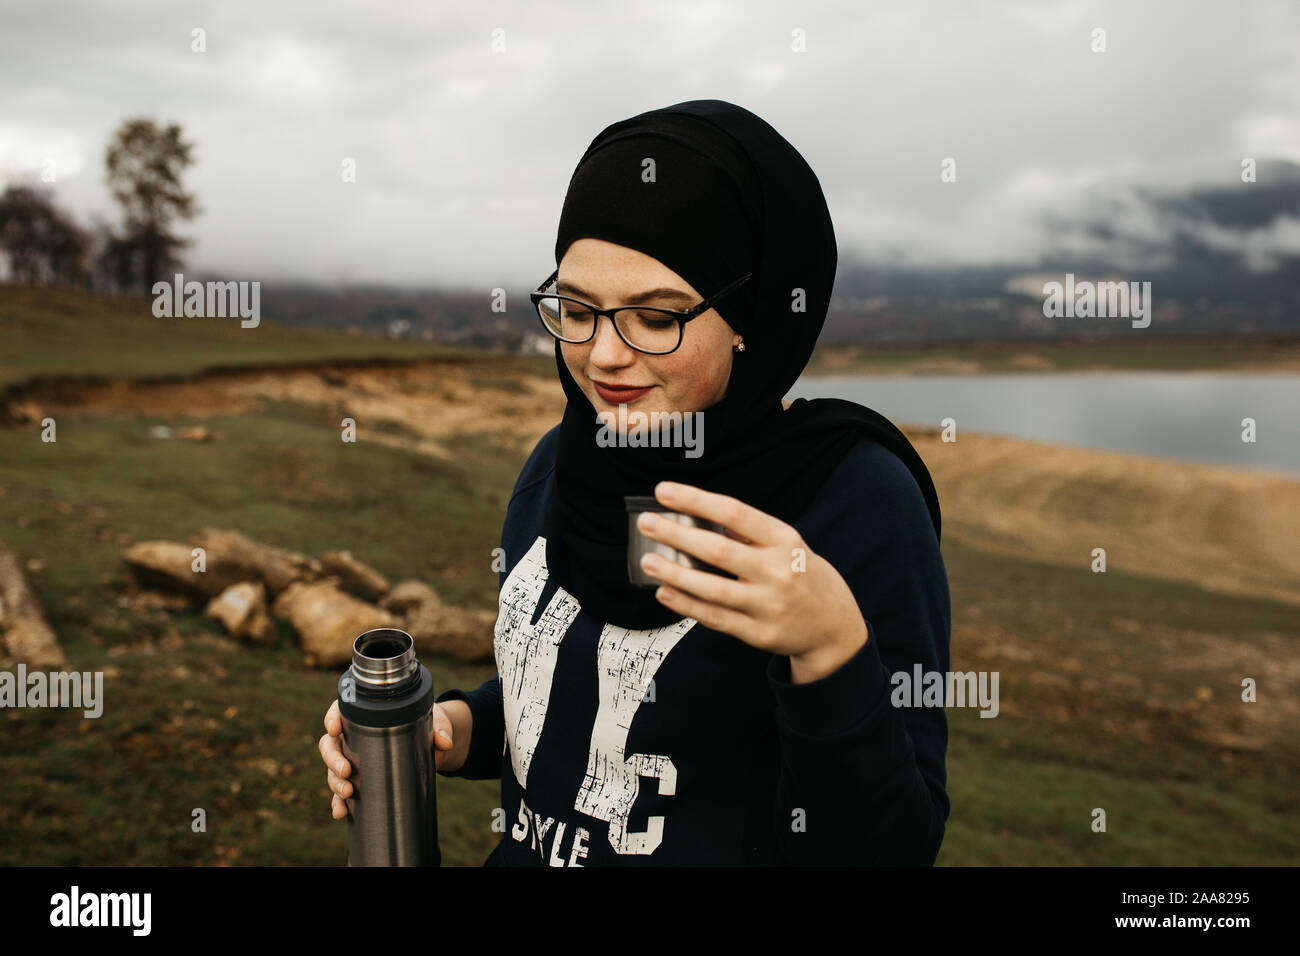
(144, 165)
(42, 242)
(114, 265)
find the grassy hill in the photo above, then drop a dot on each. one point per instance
(54, 331)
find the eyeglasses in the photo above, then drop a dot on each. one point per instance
(649, 330)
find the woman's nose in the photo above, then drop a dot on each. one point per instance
(607, 343)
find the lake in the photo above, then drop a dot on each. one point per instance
(1194, 416)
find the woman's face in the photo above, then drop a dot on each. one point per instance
(687, 380)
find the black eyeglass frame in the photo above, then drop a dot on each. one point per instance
(681, 317)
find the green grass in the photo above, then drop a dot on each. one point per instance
(56, 332)
(1011, 811)
(120, 789)
(1074, 691)
(282, 476)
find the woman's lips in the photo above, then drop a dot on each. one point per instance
(618, 396)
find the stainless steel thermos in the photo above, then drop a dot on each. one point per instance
(384, 701)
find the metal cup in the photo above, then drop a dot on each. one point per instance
(638, 545)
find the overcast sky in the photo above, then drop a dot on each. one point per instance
(463, 154)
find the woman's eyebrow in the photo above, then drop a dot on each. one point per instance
(675, 295)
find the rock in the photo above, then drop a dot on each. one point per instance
(18, 412)
(358, 578)
(30, 639)
(409, 595)
(24, 632)
(229, 558)
(235, 557)
(457, 632)
(437, 628)
(194, 433)
(241, 608)
(169, 566)
(328, 620)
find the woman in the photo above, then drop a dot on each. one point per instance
(734, 718)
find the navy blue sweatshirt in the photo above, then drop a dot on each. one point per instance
(682, 745)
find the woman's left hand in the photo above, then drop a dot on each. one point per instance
(786, 599)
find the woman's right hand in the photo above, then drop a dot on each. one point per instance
(338, 768)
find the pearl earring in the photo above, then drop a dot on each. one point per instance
(740, 347)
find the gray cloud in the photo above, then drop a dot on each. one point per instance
(463, 154)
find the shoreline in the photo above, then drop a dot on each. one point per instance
(1271, 353)
(1026, 372)
(918, 432)
(1221, 528)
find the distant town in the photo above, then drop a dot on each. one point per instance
(869, 306)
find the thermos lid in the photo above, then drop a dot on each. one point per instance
(383, 657)
(385, 686)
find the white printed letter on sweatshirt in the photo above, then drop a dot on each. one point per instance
(626, 662)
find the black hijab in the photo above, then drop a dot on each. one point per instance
(725, 195)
